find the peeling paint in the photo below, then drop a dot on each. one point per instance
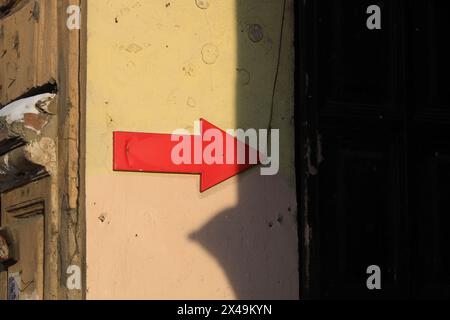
(43, 152)
(313, 166)
(134, 48)
(210, 53)
(15, 111)
(255, 33)
(202, 4)
(191, 102)
(244, 76)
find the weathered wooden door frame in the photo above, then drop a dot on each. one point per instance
(305, 124)
(66, 221)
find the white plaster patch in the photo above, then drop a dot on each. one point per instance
(16, 110)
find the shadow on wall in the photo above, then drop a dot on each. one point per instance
(256, 242)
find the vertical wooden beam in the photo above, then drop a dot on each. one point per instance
(72, 219)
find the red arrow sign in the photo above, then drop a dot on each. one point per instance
(152, 152)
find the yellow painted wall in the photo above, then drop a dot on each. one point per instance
(155, 66)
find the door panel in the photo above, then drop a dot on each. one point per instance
(28, 48)
(23, 213)
(430, 205)
(360, 213)
(356, 63)
(428, 52)
(428, 102)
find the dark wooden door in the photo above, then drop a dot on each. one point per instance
(378, 126)
(428, 100)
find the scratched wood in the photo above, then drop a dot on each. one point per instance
(36, 47)
(28, 44)
(23, 211)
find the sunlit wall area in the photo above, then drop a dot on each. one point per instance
(157, 66)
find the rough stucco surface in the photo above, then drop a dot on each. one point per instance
(155, 66)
